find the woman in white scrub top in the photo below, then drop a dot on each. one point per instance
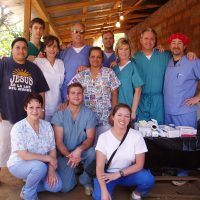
(53, 70)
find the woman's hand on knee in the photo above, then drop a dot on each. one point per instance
(52, 178)
(107, 177)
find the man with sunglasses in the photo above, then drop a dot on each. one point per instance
(75, 58)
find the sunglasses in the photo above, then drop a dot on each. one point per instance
(77, 31)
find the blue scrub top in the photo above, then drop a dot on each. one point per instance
(130, 79)
(180, 84)
(107, 60)
(72, 60)
(74, 131)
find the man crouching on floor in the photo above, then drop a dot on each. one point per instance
(74, 133)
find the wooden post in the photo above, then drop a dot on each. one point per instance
(47, 29)
(27, 18)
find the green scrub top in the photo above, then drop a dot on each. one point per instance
(33, 50)
(152, 72)
(130, 79)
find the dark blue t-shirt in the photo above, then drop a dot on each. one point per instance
(16, 81)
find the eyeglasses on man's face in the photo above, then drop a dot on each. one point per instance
(78, 31)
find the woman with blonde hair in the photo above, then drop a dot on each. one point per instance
(131, 83)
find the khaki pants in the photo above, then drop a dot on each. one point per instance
(5, 143)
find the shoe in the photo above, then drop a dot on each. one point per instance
(88, 190)
(22, 195)
(183, 173)
(179, 183)
(135, 196)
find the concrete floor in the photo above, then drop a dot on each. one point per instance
(10, 189)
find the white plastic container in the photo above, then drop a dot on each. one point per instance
(187, 131)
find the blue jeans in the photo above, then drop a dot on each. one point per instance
(143, 180)
(68, 175)
(34, 172)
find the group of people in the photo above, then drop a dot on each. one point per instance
(89, 98)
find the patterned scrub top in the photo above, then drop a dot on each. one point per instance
(23, 137)
(97, 92)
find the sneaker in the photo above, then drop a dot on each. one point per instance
(179, 183)
(183, 173)
(135, 196)
(88, 190)
(22, 195)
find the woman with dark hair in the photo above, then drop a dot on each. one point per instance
(100, 88)
(18, 77)
(53, 70)
(126, 166)
(33, 155)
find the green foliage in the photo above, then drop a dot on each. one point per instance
(7, 35)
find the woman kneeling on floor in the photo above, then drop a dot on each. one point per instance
(126, 167)
(33, 156)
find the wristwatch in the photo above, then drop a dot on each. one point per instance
(121, 173)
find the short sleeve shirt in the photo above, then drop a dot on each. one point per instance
(54, 75)
(181, 84)
(16, 81)
(97, 92)
(33, 50)
(125, 155)
(23, 137)
(130, 79)
(74, 131)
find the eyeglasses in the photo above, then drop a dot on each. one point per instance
(77, 31)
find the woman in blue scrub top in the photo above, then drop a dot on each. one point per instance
(130, 88)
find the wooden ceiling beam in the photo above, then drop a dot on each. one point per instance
(101, 26)
(100, 23)
(99, 13)
(130, 21)
(84, 13)
(135, 16)
(97, 34)
(117, 4)
(80, 16)
(89, 22)
(89, 30)
(77, 5)
(134, 6)
(97, 30)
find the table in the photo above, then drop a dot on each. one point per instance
(173, 152)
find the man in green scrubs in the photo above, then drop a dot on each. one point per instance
(151, 65)
(36, 28)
